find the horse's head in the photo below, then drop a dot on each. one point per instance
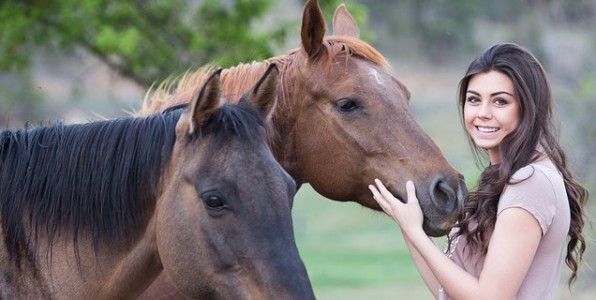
(224, 225)
(353, 124)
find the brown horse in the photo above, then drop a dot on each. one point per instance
(342, 119)
(97, 210)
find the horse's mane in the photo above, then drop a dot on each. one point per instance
(86, 178)
(96, 179)
(240, 78)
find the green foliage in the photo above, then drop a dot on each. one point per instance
(13, 27)
(144, 40)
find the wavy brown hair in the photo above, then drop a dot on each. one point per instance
(518, 149)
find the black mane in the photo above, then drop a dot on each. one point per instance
(95, 178)
(98, 179)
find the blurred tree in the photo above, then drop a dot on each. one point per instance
(144, 40)
(436, 29)
(580, 106)
(19, 98)
(445, 27)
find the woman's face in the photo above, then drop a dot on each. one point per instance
(491, 111)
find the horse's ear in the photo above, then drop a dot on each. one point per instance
(263, 95)
(313, 30)
(344, 24)
(207, 102)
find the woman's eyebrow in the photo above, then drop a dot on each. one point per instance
(492, 95)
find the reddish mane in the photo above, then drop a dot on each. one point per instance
(238, 79)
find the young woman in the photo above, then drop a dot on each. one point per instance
(510, 237)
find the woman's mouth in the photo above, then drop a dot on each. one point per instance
(487, 129)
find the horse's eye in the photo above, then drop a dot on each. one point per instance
(346, 105)
(214, 202)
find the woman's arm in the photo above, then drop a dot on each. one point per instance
(511, 250)
(425, 272)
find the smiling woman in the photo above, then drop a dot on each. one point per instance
(506, 103)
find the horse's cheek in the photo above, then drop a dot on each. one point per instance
(177, 229)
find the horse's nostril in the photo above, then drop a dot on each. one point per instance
(443, 195)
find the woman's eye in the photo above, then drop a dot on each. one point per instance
(500, 101)
(347, 105)
(472, 100)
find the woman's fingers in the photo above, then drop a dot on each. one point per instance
(381, 193)
(408, 214)
(411, 190)
(382, 201)
(384, 192)
(388, 197)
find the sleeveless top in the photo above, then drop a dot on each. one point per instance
(542, 193)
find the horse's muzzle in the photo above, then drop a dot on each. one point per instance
(446, 197)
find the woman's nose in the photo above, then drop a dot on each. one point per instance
(484, 111)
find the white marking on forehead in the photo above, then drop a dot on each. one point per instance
(376, 75)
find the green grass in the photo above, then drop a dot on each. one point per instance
(353, 252)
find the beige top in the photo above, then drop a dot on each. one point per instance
(543, 195)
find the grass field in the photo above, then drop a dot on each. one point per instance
(352, 252)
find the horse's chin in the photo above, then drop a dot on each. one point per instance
(434, 230)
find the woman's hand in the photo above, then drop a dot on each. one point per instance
(408, 215)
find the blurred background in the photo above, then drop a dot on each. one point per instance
(78, 61)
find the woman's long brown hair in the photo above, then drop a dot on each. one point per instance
(518, 149)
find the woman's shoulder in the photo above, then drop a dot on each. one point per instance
(531, 181)
(537, 189)
(542, 170)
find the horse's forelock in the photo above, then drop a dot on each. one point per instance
(234, 121)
